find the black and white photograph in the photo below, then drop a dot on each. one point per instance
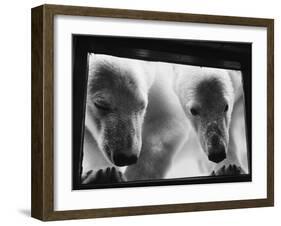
(150, 112)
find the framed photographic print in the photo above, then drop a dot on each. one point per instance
(141, 112)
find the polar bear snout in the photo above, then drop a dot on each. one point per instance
(126, 151)
(123, 159)
(216, 143)
(217, 150)
(122, 140)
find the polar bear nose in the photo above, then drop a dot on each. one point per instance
(122, 159)
(217, 152)
(217, 156)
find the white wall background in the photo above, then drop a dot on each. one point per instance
(15, 112)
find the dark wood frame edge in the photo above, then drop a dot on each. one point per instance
(42, 203)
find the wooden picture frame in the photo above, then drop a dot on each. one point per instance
(43, 112)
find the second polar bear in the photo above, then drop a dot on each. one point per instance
(213, 102)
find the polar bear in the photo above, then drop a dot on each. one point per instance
(212, 100)
(132, 115)
(117, 98)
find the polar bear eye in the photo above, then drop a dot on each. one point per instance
(194, 112)
(102, 106)
(226, 108)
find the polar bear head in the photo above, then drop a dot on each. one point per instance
(207, 97)
(117, 97)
